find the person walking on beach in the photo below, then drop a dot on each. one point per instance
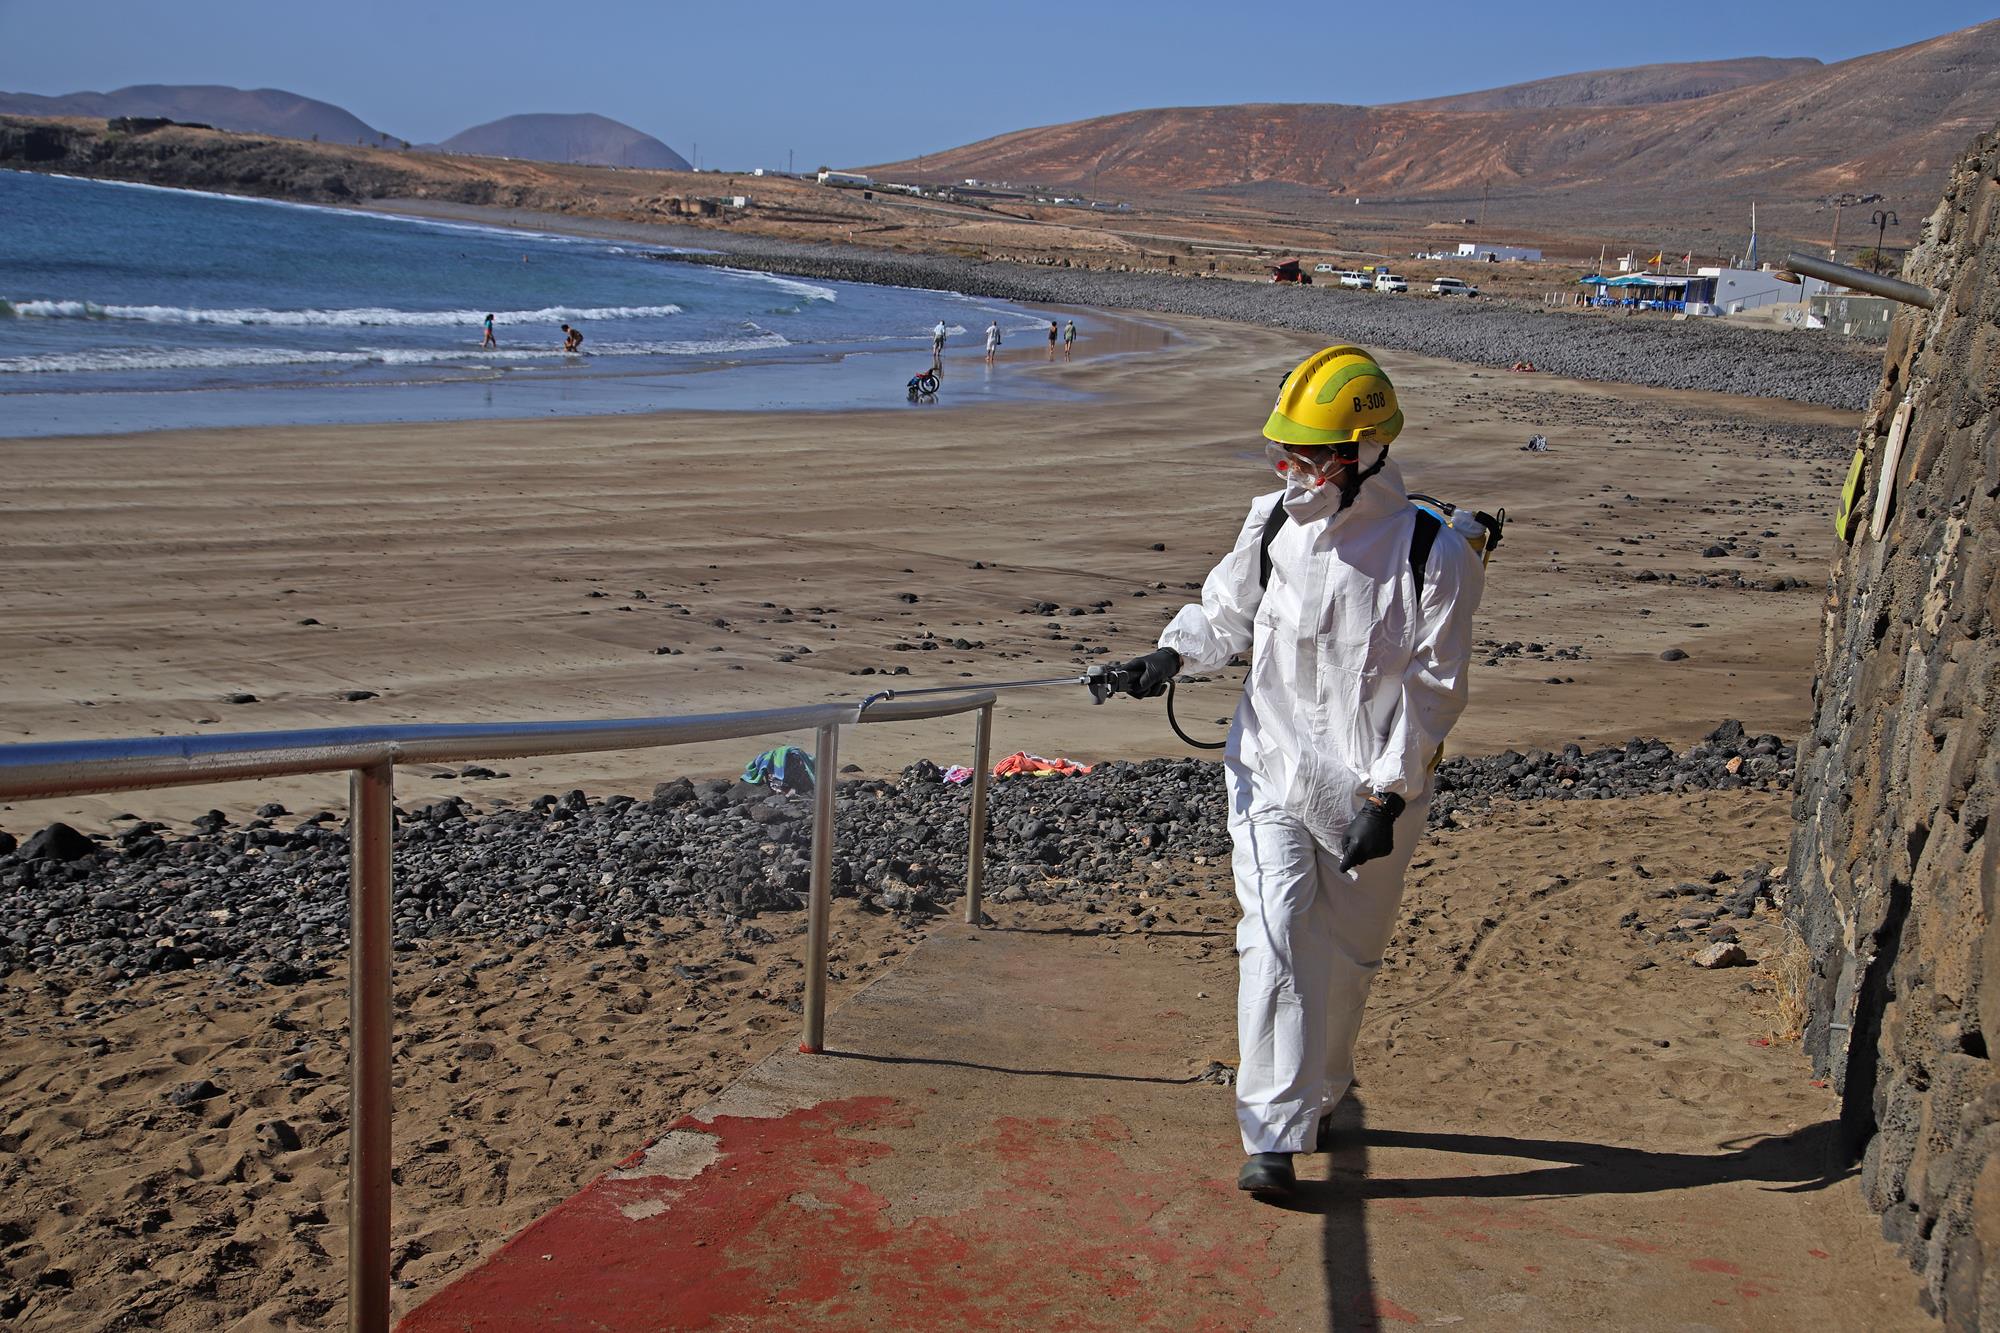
(1054, 333)
(572, 339)
(1069, 339)
(937, 343)
(1356, 610)
(489, 334)
(992, 341)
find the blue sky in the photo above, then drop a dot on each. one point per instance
(851, 83)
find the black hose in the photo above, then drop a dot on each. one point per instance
(1175, 724)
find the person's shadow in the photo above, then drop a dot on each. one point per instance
(1806, 1159)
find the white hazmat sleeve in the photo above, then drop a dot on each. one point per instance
(1209, 633)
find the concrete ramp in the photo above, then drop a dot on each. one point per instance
(1011, 1134)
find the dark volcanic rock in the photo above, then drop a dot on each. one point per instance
(193, 1094)
(272, 904)
(57, 842)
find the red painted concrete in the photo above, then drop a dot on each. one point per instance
(779, 1223)
(1006, 1135)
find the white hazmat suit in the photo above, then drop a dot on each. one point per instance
(1352, 687)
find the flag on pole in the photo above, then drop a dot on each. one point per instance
(1750, 259)
(1658, 257)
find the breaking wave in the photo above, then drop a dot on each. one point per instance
(363, 317)
(228, 358)
(812, 291)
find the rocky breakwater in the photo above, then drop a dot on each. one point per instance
(1893, 871)
(268, 901)
(1704, 354)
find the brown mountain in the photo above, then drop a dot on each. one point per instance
(1640, 85)
(1890, 122)
(598, 140)
(245, 111)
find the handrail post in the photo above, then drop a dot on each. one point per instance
(975, 850)
(371, 831)
(819, 909)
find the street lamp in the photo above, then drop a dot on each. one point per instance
(1883, 220)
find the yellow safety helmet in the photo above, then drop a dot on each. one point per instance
(1338, 396)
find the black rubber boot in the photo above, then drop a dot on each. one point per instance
(1268, 1175)
(1324, 1138)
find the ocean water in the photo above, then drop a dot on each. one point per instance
(128, 307)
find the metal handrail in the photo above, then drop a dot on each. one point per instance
(1860, 279)
(369, 755)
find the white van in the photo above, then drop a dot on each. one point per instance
(1390, 282)
(1351, 278)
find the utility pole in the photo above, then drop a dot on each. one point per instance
(788, 161)
(1486, 204)
(697, 157)
(1883, 221)
(1833, 251)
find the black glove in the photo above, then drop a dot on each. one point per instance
(1142, 677)
(1373, 831)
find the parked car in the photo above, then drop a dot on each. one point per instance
(1350, 278)
(1323, 268)
(1390, 282)
(1453, 287)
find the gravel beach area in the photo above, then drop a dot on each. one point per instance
(1705, 354)
(270, 901)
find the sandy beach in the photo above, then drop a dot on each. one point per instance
(536, 569)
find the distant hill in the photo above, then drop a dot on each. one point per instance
(1891, 122)
(255, 111)
(596, 140)
(1641, 85)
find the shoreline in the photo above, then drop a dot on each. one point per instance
(152, 369)
(1707, 355)
(719, 387)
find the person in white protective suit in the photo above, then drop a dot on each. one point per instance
(1357, 671)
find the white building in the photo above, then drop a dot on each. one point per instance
(1484, 253)
(1741, 289)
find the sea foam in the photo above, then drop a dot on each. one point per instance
(361, 317)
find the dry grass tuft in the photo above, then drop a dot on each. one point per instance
(1791, 970)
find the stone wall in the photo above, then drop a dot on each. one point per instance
(1893, 877)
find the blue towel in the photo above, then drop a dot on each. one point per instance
(784, 768)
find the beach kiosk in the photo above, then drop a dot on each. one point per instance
(1651, 291)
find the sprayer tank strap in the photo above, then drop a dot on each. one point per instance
(1422, 537)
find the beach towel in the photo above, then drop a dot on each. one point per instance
(1025, 765)
(784, 768)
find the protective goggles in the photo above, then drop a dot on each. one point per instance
(1311, 464)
